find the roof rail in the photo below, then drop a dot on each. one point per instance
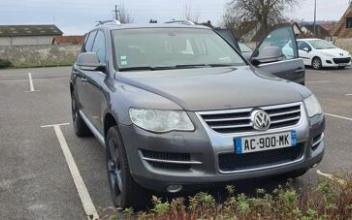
(186, 22)
(99, 23)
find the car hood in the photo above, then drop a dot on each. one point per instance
(217, 88)
(336, 52)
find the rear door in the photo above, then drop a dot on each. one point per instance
(81, 78)
(290, 67)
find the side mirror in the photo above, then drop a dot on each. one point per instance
(268, 54)
(90, 62)
(306, 49)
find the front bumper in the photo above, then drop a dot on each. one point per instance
(336, 62)
(198, 153)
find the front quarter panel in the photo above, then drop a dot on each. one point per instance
(125, 96)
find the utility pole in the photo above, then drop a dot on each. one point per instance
(315, 18)
(116, 11)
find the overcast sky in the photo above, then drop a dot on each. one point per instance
(78, 16)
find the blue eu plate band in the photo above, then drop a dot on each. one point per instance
(238, 145)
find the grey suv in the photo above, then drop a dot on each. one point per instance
(176, 105)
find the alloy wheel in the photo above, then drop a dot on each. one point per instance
(114, 169)
(316, 63)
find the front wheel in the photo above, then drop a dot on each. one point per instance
(341, 67)
(125, 192)
(316, 63)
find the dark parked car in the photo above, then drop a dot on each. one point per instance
(176, 105)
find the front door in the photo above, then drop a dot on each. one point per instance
(290, 67)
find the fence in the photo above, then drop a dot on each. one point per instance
(39, 56)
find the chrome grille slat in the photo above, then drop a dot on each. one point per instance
(284, 113)
(237, 121)
(227, 119)
(285, 120)
(231, 126)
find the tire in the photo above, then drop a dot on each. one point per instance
(79, 126)
(316, 63)
(125, 192)
(341, 67)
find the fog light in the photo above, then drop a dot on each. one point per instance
(174, 188)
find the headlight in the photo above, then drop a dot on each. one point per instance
(313, 106)
(161, 120)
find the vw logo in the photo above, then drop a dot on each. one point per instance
(260, 120)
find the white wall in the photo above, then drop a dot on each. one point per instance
(26, 40)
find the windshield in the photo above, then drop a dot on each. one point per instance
(171, 47)
(244, 48)
(321, 44)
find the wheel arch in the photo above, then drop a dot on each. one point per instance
(109, 121)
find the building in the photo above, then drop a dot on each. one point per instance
(251, 31)
(19, 35)
(344, 26)
(319, 32)
(68, 40)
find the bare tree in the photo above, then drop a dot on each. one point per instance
(264, 12)
(124, 15)
(190, 15)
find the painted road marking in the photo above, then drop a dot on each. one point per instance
(331, 177)
(81, 187)
(338, 116)
(52, 125)
(31, 84)
(348, 94)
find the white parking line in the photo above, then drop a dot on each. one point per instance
(348, 94)
(83, 193)
(331, 177)
(338, 116)
(31, 85)
(52, 125)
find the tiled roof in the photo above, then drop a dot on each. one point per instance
(68, 40)
(29, 30)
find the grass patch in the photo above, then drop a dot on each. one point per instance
(328, 200)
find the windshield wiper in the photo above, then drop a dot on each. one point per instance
(181, 66)
(132, 68)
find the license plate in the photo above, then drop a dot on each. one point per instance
(252, 144)
(343, 64)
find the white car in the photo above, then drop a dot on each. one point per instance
(321, 53)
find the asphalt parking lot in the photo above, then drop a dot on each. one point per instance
(39, 162)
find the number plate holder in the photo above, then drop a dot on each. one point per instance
(251, 144)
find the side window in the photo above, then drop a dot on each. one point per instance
(349, 22)
(284, 39)
(99, 47)
(302, 45)
(89, 41)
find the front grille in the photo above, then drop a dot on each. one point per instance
(234, 162)
(236, 121)
(166, 155)
(317, 140)
(168, 160)
(342, 60)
